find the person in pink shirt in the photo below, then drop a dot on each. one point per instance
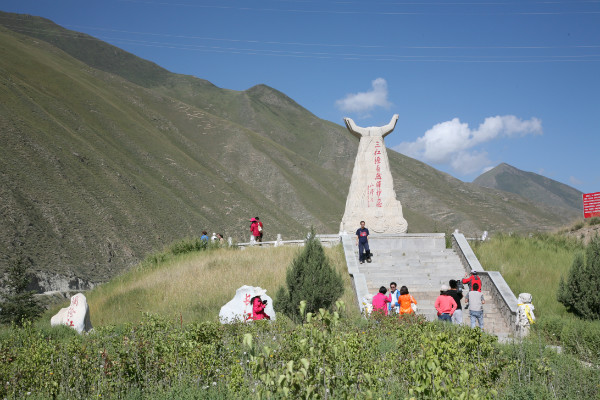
(258, 308)
(255, 228)
(445, 305)
(380, 301)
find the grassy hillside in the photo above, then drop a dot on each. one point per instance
(106, 157)
(532, 265)
(196, 285)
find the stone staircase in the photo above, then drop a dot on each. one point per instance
(423, 265)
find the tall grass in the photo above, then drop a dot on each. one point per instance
(194, 286)
(531, 264)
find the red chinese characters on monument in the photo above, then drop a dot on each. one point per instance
(246, 301)
(72, 311)
(591, 205)
(378, 191)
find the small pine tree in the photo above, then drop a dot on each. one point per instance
(19, 304)
(592, 264)
(580, 293)
(570, 291)
(310, 277)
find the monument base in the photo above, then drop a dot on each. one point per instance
(408, 241)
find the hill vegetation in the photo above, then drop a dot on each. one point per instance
(333, 355)
(535, 264)
(106, 158)
(192, 286)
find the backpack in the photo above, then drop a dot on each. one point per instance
(476, 280)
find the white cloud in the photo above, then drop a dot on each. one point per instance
(366, 101)
(454, 143)
(465, 162)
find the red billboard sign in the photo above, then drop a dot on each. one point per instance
(591, 205)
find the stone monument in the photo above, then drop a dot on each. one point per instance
(77, 315)
(239, 309)
(372, 197)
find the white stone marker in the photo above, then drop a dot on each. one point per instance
(367, 304)
(371, 197)
(525, 315)
(240, 308)
(77, 315)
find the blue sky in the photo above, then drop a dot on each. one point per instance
(475, 83)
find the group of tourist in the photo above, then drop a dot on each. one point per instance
(397, 302)
(216, 237)
(448, 304)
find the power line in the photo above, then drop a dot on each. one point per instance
(392, 13)
(354, 45)
(481, 58)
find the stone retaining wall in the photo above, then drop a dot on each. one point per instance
(493, 281)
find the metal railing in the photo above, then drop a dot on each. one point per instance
(326, 241)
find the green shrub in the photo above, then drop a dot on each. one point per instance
(580, 292)
(580, 338)
(594, 221)
(19, 304)
(310, 278)
(325, 357)
(577, 226)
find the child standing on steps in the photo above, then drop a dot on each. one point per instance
(406, 301)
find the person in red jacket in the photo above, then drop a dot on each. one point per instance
(258, 308)
(256, 229)
(470, 280)
(260, 228)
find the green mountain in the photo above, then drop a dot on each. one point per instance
(105, 157)
(532, 186)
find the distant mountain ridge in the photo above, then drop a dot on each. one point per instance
(532, 186)
(106, 157)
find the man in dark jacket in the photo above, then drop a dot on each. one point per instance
(457, 317)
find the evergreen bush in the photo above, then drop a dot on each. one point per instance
(19, 304)
(311, 278)
(580, 292)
